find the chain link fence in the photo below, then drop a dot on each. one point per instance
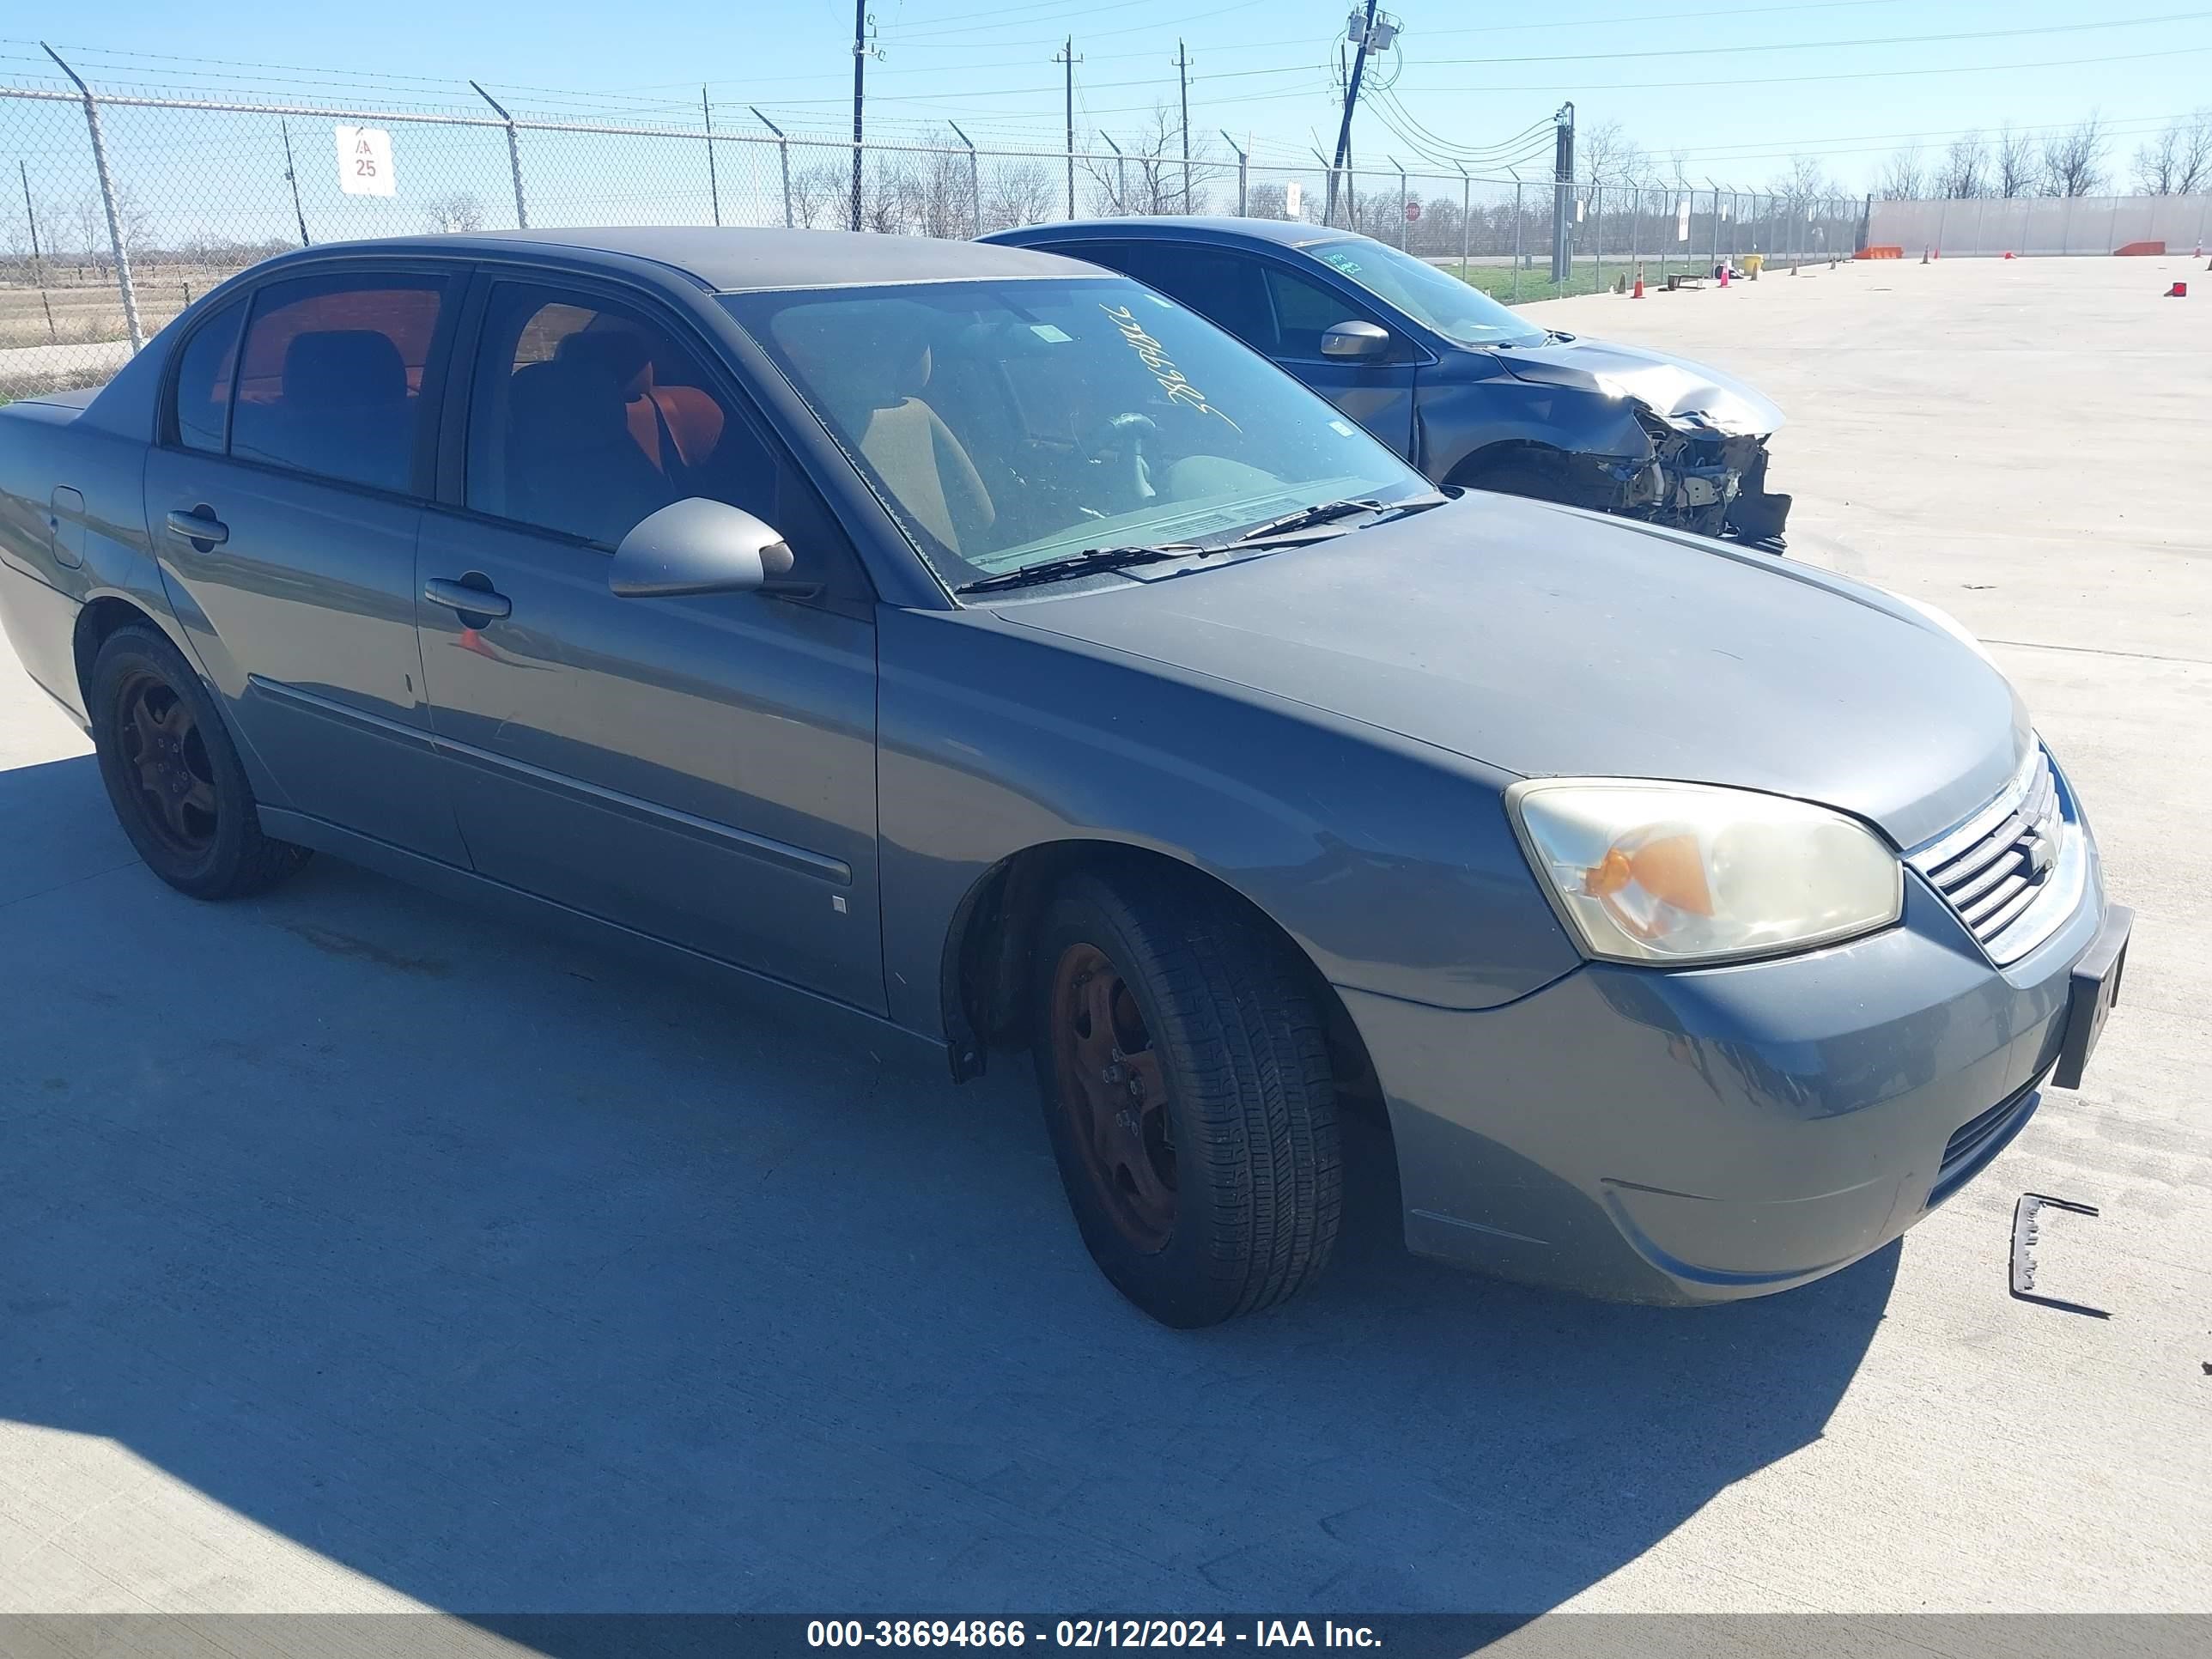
(123, 206)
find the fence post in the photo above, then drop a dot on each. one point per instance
(514, 158)
(1717, 220)
(783, 161)
(1597, 236)
(1516, 236)
(115, 240)
(1405, 224)
(1635, 223)
(713, 180)
(975, 181)
(1244, 163)
(1466, 207)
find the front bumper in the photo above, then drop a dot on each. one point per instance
(1709, 1135)
(1701, 482)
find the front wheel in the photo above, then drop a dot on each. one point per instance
(1186, 1091)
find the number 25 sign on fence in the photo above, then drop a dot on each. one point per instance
(365, 161)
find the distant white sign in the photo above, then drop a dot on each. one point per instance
(365, 161)
(1294, 200)
(1682, 219)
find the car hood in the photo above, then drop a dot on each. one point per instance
(1546, 641)
(1671, 386)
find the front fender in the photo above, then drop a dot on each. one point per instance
(1454, 420)
(1390, 863)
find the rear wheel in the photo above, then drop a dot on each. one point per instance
(173, 775)
(1187, 1092)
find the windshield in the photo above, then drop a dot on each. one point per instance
(1455, 309)
(1005, 424)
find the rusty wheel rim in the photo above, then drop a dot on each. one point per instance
(165, 763)
(1114, 1095)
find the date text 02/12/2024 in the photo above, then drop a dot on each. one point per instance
(1087, 1633)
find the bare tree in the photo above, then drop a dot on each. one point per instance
(2016, 166)
(1965, 168)
(2179, 161)
(821, 195)
(2074, 161)
(1606, 155)
(1020, 192)
(1149, 177)
(1805, 182)
(458, 210)
(1904, 176)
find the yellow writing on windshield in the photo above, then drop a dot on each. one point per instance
(1154, 356)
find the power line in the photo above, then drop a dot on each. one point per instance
(1831, 45)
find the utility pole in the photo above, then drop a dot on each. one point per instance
(1183, 73)
(38, 274)
(713, 180)
(1066, 55)
(1351, 98)
(292, 178)
(863, 49)
(1563, 188)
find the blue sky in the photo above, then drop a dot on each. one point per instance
(1674, 74)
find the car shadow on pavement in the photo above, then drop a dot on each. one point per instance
(522, 1277)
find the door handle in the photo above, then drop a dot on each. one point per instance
(198, 524)
(465, 597)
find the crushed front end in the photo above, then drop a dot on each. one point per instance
(1701, 479)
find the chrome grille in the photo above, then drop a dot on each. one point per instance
(1995, 877)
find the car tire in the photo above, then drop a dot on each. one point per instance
(174, 775)
(1186, 1091)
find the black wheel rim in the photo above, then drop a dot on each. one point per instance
(1113, 1095)
(166, 766)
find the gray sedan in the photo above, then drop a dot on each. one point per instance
(992, 647)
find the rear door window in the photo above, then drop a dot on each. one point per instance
(330, 377)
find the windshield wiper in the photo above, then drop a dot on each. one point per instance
(1328, 511)
(1088, 562)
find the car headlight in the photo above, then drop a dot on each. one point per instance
(1682, 874)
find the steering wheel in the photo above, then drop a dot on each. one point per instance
(1121, 445)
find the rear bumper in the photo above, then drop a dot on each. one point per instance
(1706, 1136)
(40, 623)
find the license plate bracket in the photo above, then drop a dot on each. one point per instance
(2092, 991)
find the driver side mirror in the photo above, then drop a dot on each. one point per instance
(701, 546)
(1355, 340)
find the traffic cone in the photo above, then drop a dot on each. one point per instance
(2178, 291)
(2007, 254)
(1638, 294)
(1923, 256)
(1938, 254)
(1724, 273)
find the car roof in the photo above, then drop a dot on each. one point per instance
(1192, 227)
(734, 259)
